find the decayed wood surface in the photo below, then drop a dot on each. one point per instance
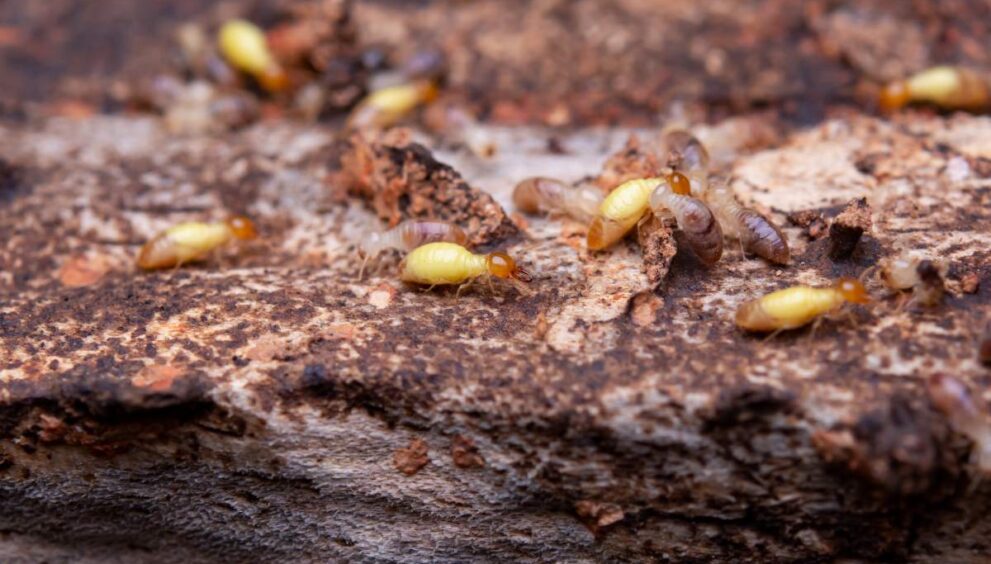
(269, 404)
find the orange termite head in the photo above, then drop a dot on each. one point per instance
(894, 95)
(241, 227)
(502, 265)
(680, 184)
(273, 79)
(852, 290)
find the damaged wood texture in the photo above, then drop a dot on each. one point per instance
(267, 404)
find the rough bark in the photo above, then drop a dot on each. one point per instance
(267, 404)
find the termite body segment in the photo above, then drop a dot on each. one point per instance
(385, 107)
(951, 88)
(687, 155)
(409, 235)
(244, 46)
(550, 196)
(449, 263)
(702, 231)
(912, 272)
(797, 306)
(756, 233)
(620, 211)
(192, 241)
(953, 398)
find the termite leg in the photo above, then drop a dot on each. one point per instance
(361, 271)
(773, 334)
(461, 287)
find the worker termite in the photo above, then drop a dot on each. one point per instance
(550, 196)
(192, 241)
(409, 235)
(244, 46)
(756, 233)
(951, 397)
(797, 306)
(701, 230)
(924, 277)
(951, 88)
(383, 108)
(448, 263)
(620, 211)
(687, 155)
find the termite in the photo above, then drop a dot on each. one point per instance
(192, 241)
(550, 196)
(756, 233)
(620, 211)
(951, 397)
(696, 221)
(409, 235)
(384, 107)
(687, 155)
(244, 46)
(449, 263)
(951, 88)
(799, 305)
(911, 272)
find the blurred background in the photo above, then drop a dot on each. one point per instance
(552, 62)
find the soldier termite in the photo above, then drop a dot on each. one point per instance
(192, 241)
(951, 88)
(244, 46)
(797, 306)
(701, 230)
(409, 235)
(620, 211)
(448, 263)
(383, 108)
(550, 196)
(952, 397)
(909, 271)
(756, 233)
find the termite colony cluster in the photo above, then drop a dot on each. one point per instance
(307, 66)
(704, 212)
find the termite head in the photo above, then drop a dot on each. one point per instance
(273, 79)
(680, 184)
(241, 227)
(852, 290)
(502, 265)
(894, 95)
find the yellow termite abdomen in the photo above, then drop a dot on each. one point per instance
(385, 107)
(192, 241)
(449, 263)
(245, 47)
(797, 306)
(951, 88)
(620, 211)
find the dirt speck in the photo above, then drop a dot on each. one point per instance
(598, 515)
(412, 458)
(464, 453)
